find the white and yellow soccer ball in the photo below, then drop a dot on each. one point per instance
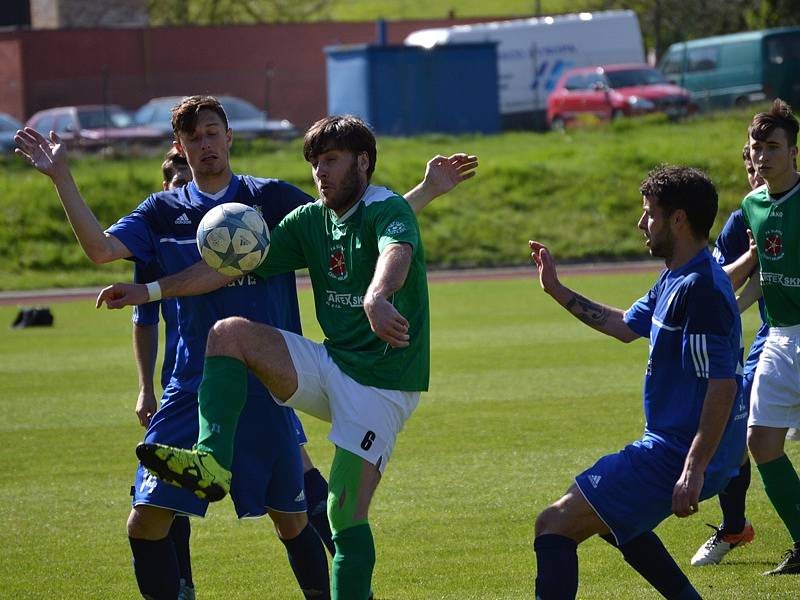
(233, 239)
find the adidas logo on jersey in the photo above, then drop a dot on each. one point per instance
(595, 480)
(183, 220)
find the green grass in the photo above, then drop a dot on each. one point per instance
(522, 398)
(361, 10)
(578, 192)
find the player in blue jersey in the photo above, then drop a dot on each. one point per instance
(735, 530)
(176, 173)
(694, 433)
(267, 470)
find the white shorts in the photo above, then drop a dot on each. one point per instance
(775, 398)
(365, 419)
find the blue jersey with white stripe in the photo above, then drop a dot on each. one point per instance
(692, 321)
(731, 243)
(163, 228)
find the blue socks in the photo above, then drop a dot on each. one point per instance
(732, 501)
(309, 563)
(156, 568)
(556, 567)
(648, 556)
(317, 500)
(180, 532)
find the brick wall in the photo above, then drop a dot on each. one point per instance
(278, 67)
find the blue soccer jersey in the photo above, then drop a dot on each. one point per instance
(691, 319)
(163, 228)
(147, 314)
(731, 243)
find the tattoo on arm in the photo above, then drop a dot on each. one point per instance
(591, 313)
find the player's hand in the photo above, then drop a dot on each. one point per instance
(388, 324)
(122, 294)
(686, 493)
(146, 406)
(47, 155)
(548, 276)
(442, 173)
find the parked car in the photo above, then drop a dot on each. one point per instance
(611, 91)
(94, 127)
(244, 119)
(8, 128)
(736, 69)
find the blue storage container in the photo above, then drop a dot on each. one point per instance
(408, 90)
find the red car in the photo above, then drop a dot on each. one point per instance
(612, 91)
(94, 127)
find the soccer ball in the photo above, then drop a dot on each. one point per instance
(233, 239)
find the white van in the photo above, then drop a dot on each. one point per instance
(532, 54)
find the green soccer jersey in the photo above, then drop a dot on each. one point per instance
(776, 229)
(340, 254)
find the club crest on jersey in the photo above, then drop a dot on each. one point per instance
(773, 244)
(395, 228)
(257, 208)
(338, 264)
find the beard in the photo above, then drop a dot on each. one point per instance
(664, 246)
(347, 191)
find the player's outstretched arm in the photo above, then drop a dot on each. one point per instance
(750, 293)
(145, 352)
(192, 281)
(739, 270)
(719, 399)
(442, 174)
(49, 156)
(606, 319)
(391, 271)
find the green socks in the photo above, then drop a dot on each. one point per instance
(222, 396)
(353, 563)
(783, 489)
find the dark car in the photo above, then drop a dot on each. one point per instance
(8, 128)
(94, 127)
(244, 119)
(612, 91)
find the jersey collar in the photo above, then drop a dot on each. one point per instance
(198, 196)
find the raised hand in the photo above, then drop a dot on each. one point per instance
(442, 173)
(47, 155)
(548, 276)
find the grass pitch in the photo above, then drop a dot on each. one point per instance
(522, 398)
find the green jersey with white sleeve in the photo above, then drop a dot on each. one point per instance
(775, 223)
(340, 254)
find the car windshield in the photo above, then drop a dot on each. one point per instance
(634, 77)
(239, 109)
(158, 113)
(9, 124)
(102, 118)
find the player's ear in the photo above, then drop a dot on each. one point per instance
(165, 186)
(178, 148)
(229, 137)
(363, 162)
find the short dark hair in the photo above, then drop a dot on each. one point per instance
(686, 189)
(341, 132)
(173, 161)
(780, 116)
(184, 114)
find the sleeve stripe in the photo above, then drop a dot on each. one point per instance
(699, 350)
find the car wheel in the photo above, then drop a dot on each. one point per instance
(557, 124)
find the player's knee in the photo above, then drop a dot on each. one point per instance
(289, 525)
(548, 521)
(224, 335)
(340, 514)
(148, 523)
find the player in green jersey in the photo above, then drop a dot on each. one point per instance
(772, 213)
(362, 248)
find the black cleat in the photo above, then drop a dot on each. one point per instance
(790, 565)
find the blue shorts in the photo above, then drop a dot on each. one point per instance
(298, 428)
(267, 468)
(631, 491)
